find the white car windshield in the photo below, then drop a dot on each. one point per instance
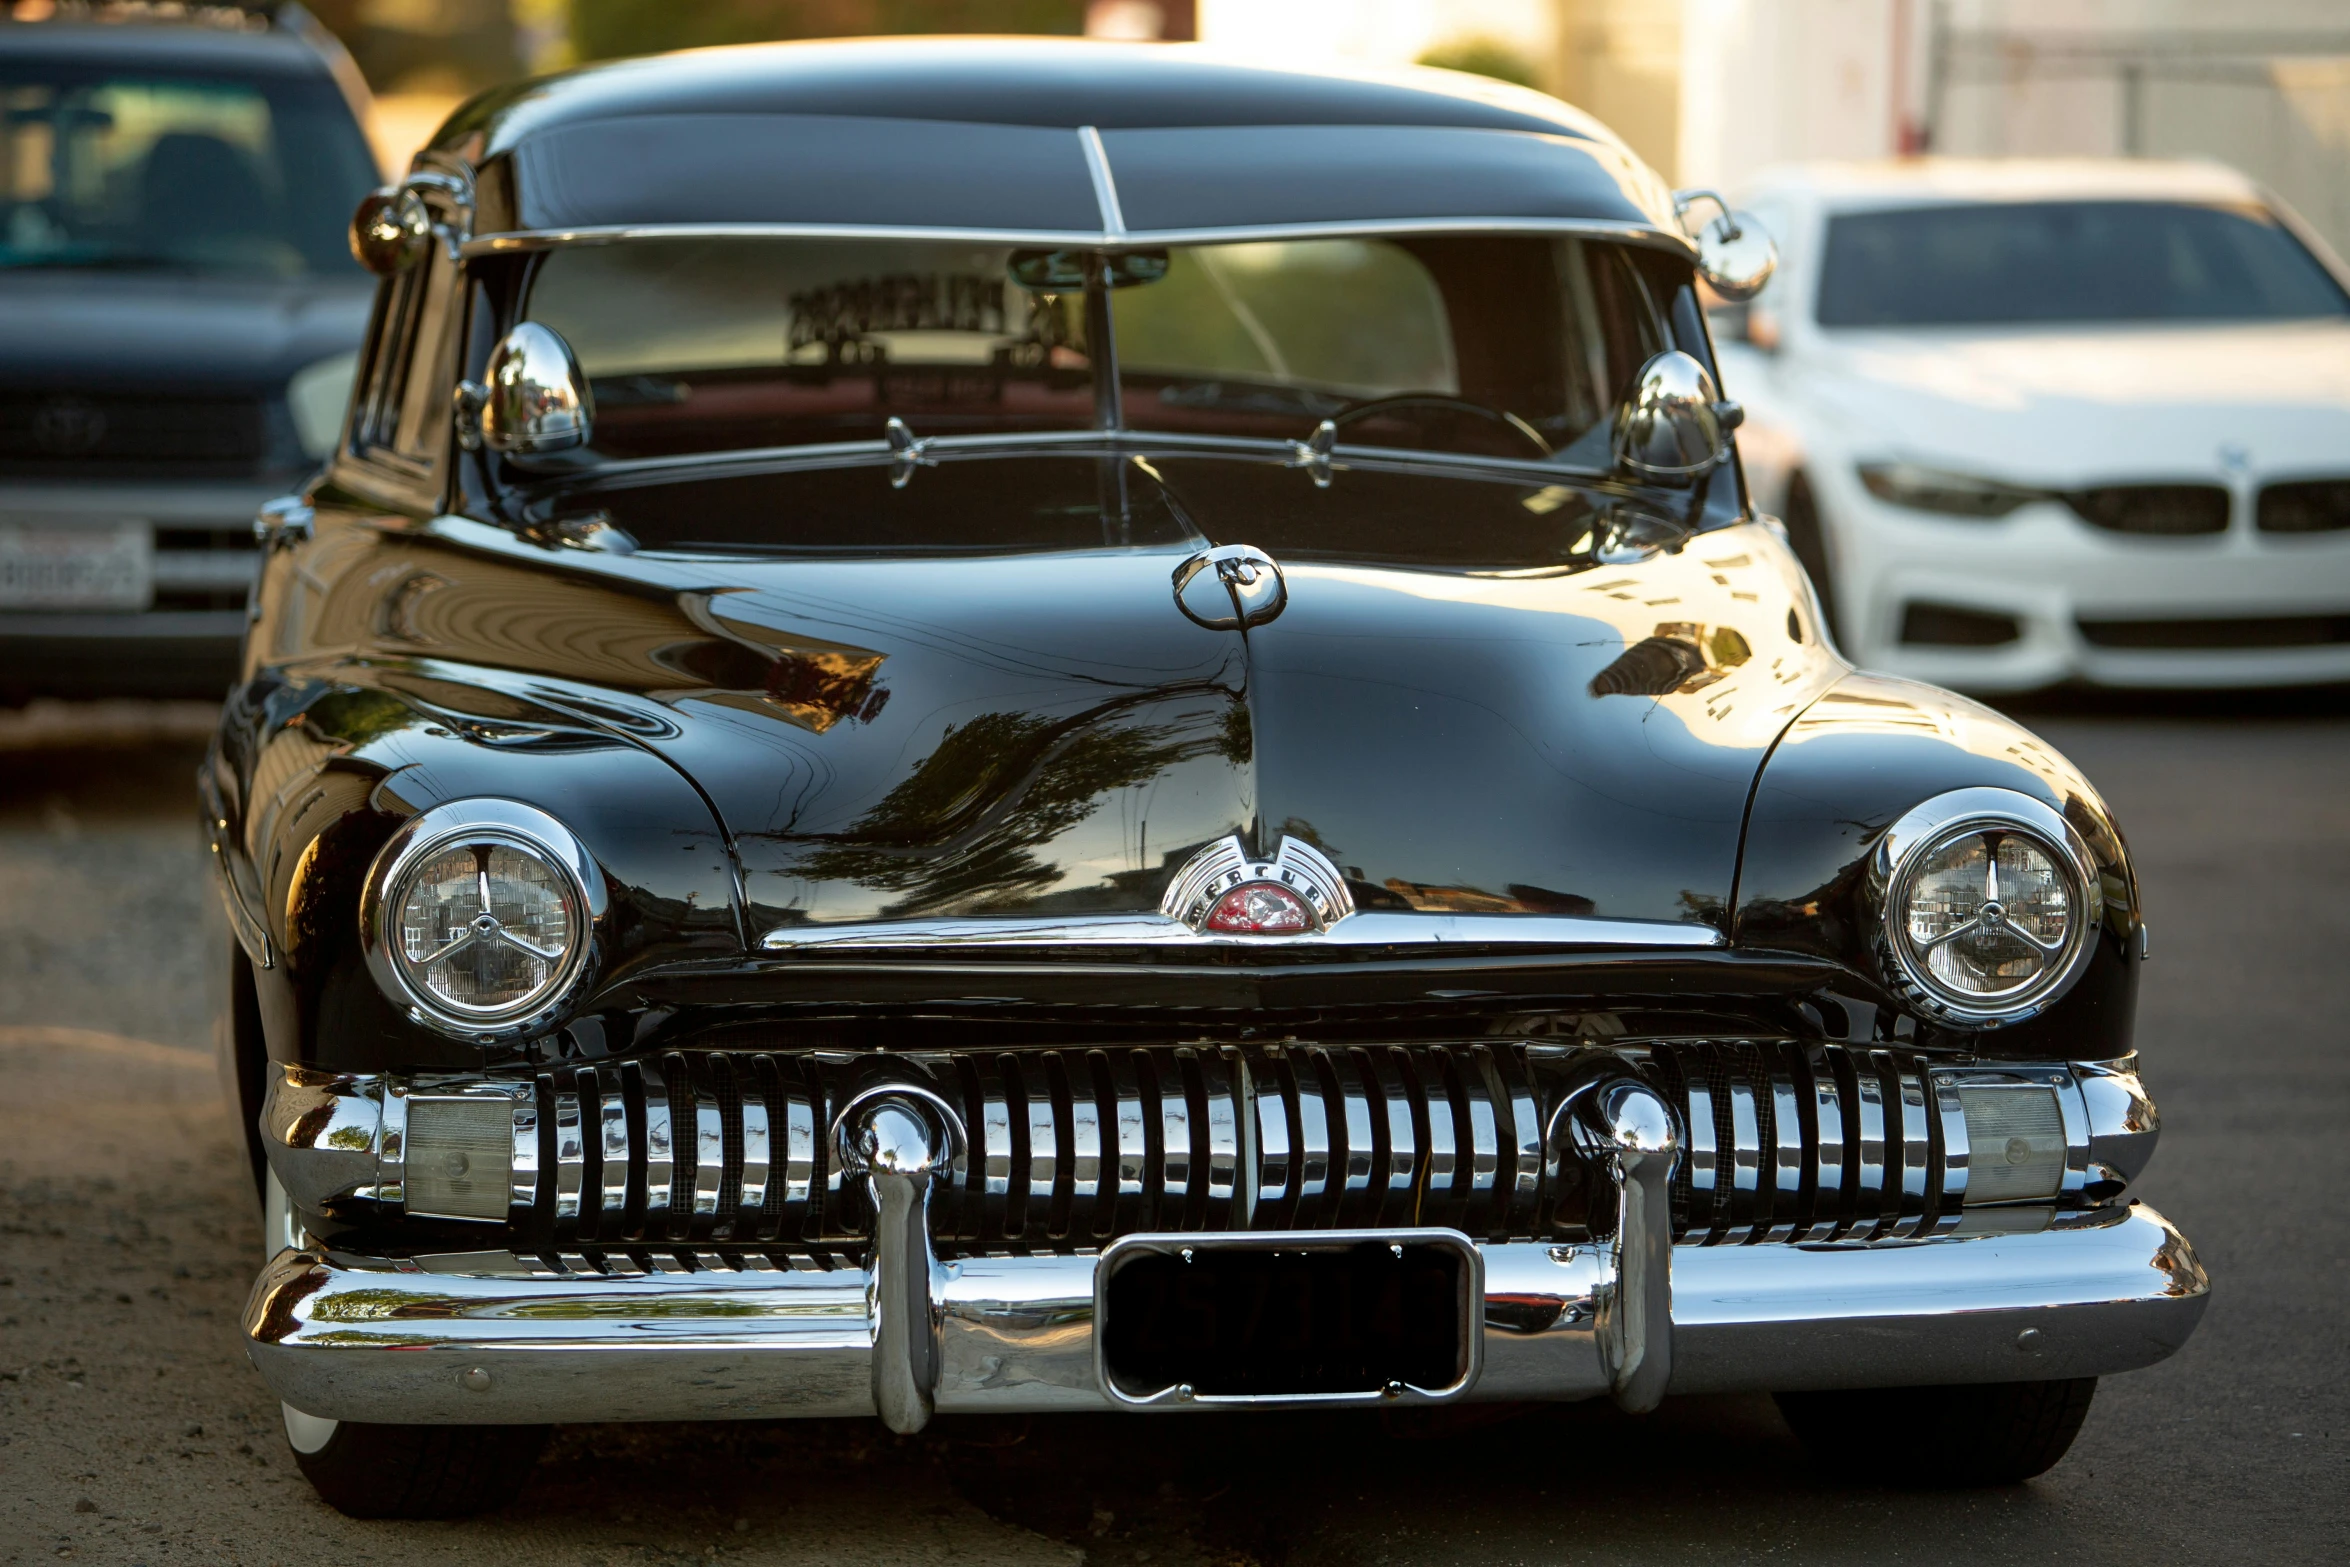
(2048, 262)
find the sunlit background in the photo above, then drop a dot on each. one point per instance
(1707, 90)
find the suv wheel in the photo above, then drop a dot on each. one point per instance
(367, 1471)
(1997, 1433)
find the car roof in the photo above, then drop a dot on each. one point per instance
(1910, 181)
(1060, 137)
(163, 45)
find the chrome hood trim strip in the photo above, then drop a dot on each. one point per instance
(1371, 929)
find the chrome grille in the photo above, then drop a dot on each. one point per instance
(1071, 1148)
(1812, 1145)
(132, 434)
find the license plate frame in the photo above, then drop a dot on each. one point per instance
(54, 566)
(1313, 1272)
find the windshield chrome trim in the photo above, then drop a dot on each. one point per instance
(520, 240)
(1128, 442)
(1364, 929)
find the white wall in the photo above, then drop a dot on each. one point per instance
(1371, 32)
(1772, 81)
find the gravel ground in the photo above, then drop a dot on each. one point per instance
(131, 1429)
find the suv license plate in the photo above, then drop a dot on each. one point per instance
(1324, 1318)
(53, 566)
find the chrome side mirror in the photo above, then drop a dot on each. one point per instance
(536, 401)
(390, 230)
(1675, 424)
(1735, 254)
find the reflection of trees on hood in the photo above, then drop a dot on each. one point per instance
(960, 832)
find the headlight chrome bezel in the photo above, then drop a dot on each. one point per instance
(501, 823)
(1903, 852)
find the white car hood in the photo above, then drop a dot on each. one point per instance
(2066, 408)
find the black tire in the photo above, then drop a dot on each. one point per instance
(1992, 1433)
(366, 1471)
(1809, 540)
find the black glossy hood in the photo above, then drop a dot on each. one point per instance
(166, 330)
(1034, 727)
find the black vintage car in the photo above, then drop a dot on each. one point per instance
(1023, 727)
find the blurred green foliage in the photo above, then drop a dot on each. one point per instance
(1485, 57)
(604, 29)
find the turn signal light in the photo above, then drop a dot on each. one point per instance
(458, 1157)
(2015, 1143)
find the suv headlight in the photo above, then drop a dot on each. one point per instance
(1990, 906)
(479, 918)
(1949, 494)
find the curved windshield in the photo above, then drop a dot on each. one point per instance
(2049, 262)
(722, 345)
(1502, 346)
(185, 174)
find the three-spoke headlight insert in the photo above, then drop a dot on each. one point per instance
(1990, 905)
(480, 917)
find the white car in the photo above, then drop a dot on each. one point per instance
(2035, 421)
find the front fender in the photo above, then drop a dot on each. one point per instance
(1862, 755)
(327, 767)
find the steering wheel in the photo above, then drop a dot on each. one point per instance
(1372, 406)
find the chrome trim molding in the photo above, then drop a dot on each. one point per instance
(2123, 1122)
(1369, 928)
(731, 1336)
(483, 820)
(1095, 239)
(1935, 822)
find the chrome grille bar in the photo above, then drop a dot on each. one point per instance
(721, 1149)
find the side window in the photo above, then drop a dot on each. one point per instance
(404, 405)
(378, 397)
(424, 426)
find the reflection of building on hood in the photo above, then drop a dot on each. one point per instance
(1679, 657)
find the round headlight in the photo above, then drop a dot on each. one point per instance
(479, 915)
(1990, 902)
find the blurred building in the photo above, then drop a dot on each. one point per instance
(1711, 90)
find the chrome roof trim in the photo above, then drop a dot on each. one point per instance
(1370, 928)
(1105, 184)
(1101, 239)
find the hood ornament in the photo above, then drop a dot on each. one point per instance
(1230, 588)
(1223, 891)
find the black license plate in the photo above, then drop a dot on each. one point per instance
(1247, 1321)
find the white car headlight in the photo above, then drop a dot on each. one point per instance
(1990, 903)
(479, 917)
(319, 395)
(1950, 494)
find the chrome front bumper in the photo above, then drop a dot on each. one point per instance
(485, 1338)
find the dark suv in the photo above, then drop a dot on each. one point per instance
(178, 315)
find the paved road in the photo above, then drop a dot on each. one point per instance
(132, 1431)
